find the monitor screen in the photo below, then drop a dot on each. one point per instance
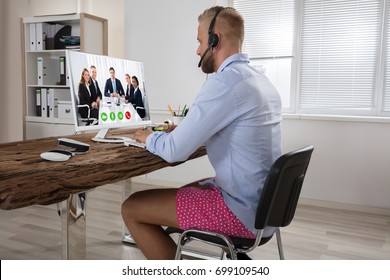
(106, 92)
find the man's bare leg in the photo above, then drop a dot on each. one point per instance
(143, 213)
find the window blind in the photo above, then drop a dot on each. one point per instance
(339, 54)
(269, 27)
(386, 98)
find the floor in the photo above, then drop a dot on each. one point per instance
(317, 232)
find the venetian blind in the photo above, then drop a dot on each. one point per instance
(339, 54)
(386, 98)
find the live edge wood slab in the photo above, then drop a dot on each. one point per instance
(27, 179)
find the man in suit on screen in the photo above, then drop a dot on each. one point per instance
(113, 85)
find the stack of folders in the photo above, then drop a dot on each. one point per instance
(42, 35)
(47, 101)
(51, 71)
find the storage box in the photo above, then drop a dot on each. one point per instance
(65, 109)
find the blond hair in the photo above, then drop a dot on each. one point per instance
(229, 22)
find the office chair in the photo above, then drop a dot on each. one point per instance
(276, 208)
(88, 120)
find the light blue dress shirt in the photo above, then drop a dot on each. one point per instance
(237, 114)
(113, 85)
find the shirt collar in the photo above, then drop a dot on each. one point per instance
(238, 57)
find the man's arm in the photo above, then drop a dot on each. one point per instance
(106, 88)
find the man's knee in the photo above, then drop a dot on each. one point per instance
(130, 205)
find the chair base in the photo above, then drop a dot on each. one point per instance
(229, 244)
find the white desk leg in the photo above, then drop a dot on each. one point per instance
(126, 191)
(73, 220)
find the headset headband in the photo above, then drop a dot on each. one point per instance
(213, 21)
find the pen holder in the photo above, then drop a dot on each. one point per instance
(177, 119)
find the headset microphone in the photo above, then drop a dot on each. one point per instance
(203, 55)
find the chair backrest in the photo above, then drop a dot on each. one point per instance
(282, 188)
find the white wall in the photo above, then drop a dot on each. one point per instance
(11, 110)
(163, 35)
(351, 161)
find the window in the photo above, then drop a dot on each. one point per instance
(269, 34)
(340, 65)
(339, 55)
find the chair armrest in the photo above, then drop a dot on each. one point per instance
(85, 105)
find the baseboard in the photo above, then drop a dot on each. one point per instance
(155, 182)
(345, 206)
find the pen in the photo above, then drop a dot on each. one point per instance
(184, 110)
(170, 109)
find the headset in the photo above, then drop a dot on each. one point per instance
(213, 39)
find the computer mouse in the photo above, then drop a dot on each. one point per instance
(57, 155)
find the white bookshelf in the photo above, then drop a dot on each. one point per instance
(93, 39)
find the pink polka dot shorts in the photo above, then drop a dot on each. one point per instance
(206, 210)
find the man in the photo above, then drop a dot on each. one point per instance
(129, 88)
(237, 114)
(96, 94)
(113, 85)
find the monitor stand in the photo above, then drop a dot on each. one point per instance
(101, 136)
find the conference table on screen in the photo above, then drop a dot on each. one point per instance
(26, 179)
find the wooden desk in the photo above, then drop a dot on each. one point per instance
(27, 179)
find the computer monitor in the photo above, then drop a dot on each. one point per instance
(117, 107)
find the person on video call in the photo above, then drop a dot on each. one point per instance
(237, 115)
(113, 85)
(91, 111)
(96, 94)
(129, 88)
(135, 97)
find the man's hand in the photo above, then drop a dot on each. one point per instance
(171, 128)
(141, 135)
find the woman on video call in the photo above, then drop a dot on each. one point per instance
(85, 98)
(135, 98)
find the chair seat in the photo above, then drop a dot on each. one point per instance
(238, 242)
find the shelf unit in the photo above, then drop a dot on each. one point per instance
(93, 39)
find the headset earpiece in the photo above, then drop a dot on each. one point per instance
(213, 40)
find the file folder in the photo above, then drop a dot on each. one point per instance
(38, 102)
(44, 111)
(41, 29)
(33, 46)
(62, 71)
(48, 71)
(53, 96)
(40, 71)
(50, 103)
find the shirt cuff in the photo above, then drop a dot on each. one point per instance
(151, 141)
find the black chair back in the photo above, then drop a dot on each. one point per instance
(282, 188)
